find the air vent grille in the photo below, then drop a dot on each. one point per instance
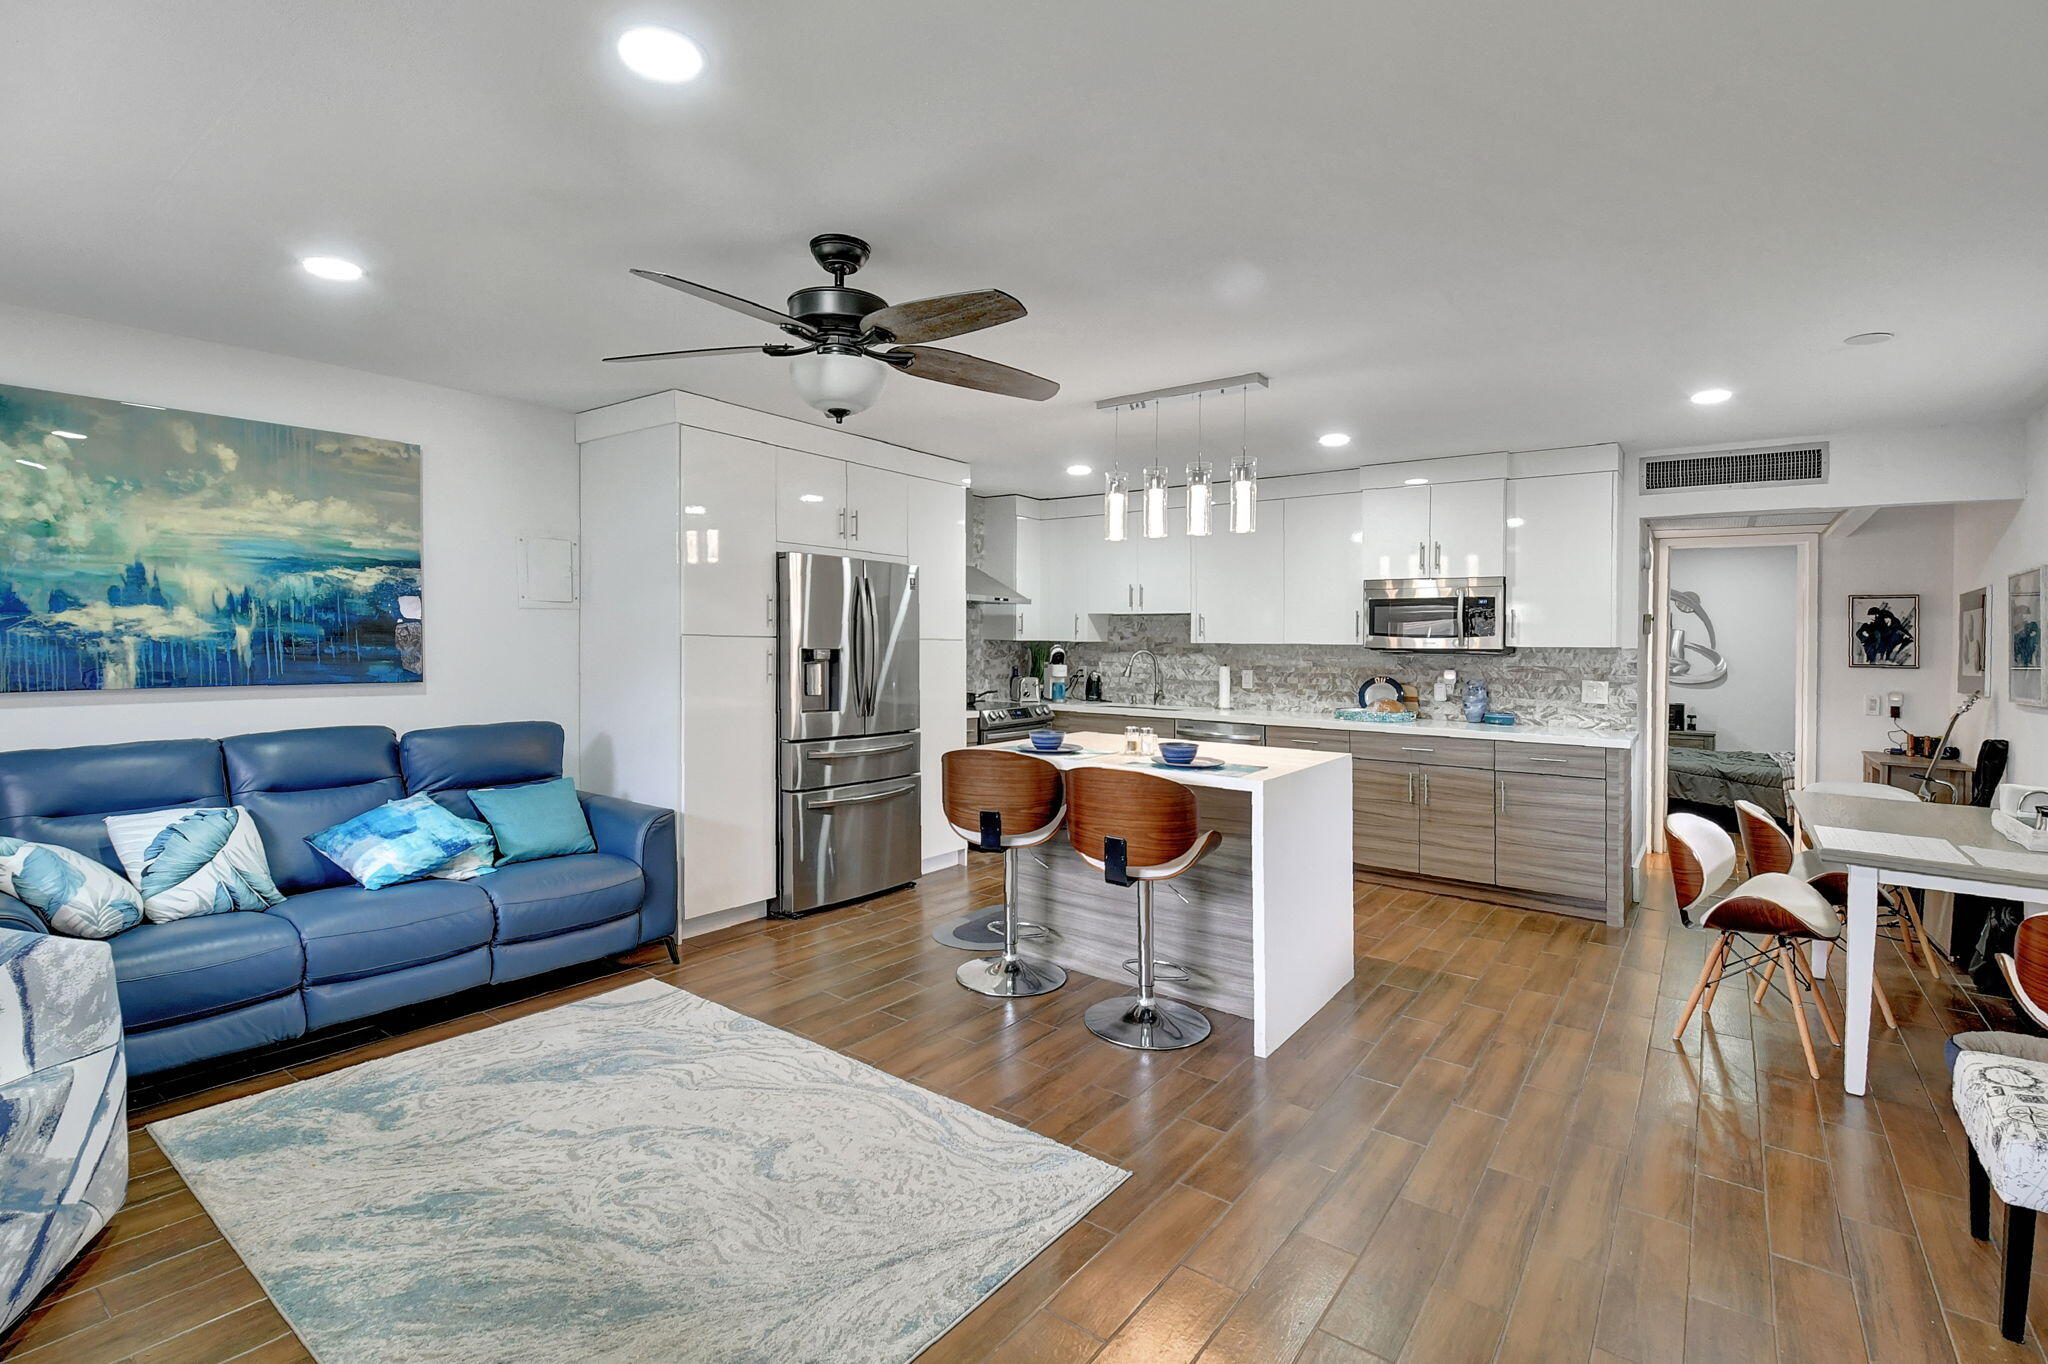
(1737, 468)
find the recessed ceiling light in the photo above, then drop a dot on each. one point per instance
(1707, 397)
(331, 267)
(693, 510)
(1333, 439)
(1868, 338)
(660, 54)
(30, 463)
(1080, 470)
(1412, 482)
(69, 435)
(1514, 521)
(811, 497)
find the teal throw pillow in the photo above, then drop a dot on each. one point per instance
(400, 840)
(540, 819)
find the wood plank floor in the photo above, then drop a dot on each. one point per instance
(1486, 1148)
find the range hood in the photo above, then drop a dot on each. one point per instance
(984, 587)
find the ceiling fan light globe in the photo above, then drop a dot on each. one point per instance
(837, 384)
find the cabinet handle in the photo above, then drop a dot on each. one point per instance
(771, 608)
(1141, 596)
(1546, 760)
(1130, 594)
(1500, 800)
(1422, 555)
(1201, 626)
(842, 523)
(1303, 743)
(856, 525)
(1425, 788)
(1514, 625)
(1416, 748)
(771, 665)
(1077, 625)
(1357, 625)
(1411, 787)
(1439, 546)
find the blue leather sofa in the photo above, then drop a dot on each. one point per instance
(332, 952)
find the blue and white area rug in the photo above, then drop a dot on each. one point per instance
(643, 1175)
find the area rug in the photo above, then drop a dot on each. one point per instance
(638, 1176)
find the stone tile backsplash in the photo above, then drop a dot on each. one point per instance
(1539, 685)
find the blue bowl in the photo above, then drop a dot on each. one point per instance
(1047, 740)
(1176, 751)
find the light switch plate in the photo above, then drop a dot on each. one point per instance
(1593, 693)
(1870, 703)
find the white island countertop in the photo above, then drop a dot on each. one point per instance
(1273, 764)
(1522, 734)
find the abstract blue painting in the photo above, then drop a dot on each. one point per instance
(145, 547)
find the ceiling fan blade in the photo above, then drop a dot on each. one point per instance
(935, 319)
(759, 311)
(679, 354)
(971, 371)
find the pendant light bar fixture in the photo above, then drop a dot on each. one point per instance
(1154, 492)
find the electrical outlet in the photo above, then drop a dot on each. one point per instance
(1593, 693)
(1247, 678)
(1870, 704)
(1895, 703)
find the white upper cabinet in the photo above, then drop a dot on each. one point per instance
(938, 548)
(1323, 584)
(810, 499)
(1078, 570)
(1237, 582)
(1468, 529)
(1164, 572)
(1562, 564)
(877, 511)
(1396, 526)
(1028, 621)
(728, 534)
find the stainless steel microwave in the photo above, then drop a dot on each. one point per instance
(1467, 614)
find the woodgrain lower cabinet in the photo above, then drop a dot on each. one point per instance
(1386, 823)
(1457, 828)
(1550, 834)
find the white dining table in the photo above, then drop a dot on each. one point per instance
(1906, 843)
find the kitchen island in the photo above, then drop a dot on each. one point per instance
(1262, 925)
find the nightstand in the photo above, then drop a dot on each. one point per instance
(1691, 738)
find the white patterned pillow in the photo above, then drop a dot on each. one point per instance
(2003, 1102)
(76, 895)
(192, 862)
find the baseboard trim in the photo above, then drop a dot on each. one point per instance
(944, 860)
(724, 918)
(1472, 890)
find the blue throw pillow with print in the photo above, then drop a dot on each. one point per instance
(76, 896)
(400, 840)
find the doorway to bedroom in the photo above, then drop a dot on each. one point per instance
(1733, 685)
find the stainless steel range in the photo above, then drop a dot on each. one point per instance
(847, 764)
(995, 724)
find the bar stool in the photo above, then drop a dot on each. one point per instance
(1766, 847)
(987, 791)
(1137, 829)
(1773, 905)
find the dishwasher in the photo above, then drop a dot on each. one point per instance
(1220, 731)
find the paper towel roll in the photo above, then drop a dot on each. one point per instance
(1223, 686)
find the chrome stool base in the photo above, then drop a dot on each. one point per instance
(983, 929)
(1010, 978)
(1161, 1025)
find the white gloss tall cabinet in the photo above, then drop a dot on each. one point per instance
(685, 503)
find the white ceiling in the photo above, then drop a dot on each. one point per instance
(1444, 228)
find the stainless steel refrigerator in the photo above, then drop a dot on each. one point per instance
(847, 824)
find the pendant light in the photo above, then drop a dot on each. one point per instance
(1244, 482)
(1155, 488)
(1116, 502)
(1201, 489)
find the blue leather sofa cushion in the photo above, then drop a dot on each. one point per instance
(351, 932)
(535, 899)
(61, 795)
(296, 782)
(192, 967)
(449, 761)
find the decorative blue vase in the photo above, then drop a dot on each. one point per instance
(1475, 701)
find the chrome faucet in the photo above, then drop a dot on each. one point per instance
(1158, 687)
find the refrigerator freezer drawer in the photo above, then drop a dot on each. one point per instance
(818, 763)
(846, 842)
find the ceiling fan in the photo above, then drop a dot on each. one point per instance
(849, 339)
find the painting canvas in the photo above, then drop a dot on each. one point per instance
(2023, 637)
(1884, 630)
(1973, 637)
(145, 547)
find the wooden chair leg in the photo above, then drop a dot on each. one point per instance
(1884, 1003)
(1827, 1018)
(1799, 1008)
(1720, 969)
(1699, 987)
(1980, 1198)
(2019, 1268)
(1911, 915)
(1764, 979)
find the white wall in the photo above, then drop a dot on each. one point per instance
(1900, 549)
(1991, 544)
(1751, 595)
(492, 471)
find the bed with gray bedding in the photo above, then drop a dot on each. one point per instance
(1707, 777)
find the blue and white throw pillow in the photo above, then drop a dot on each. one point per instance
(467, 866)
(76, 896)
(400, 840)
(192, 862)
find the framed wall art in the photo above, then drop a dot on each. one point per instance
(1884, 630)
(2023, 637)
(1973, 639)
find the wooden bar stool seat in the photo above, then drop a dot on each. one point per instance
(1139, 830)
(1778, 908)
(1001, 802)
